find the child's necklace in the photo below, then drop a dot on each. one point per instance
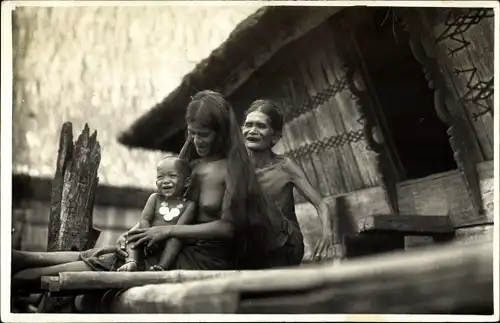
(170, 213)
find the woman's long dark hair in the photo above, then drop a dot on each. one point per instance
(248, 205)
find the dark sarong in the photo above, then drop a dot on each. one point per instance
(206, 255)
(291, 253)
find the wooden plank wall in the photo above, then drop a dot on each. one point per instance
(323, 130)
(465, 45)
(439, 194)
(31, 219)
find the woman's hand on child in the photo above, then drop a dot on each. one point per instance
(121, 243)
(150, 236)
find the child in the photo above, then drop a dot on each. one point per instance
(162, 208)
(165, 207)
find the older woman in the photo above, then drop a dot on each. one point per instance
(278, 176)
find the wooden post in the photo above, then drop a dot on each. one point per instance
(72, 198)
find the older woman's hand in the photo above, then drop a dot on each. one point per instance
(150, 236)
(324, 247)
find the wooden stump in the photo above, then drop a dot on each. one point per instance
(72, 198)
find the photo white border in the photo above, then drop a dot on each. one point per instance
(6, 174)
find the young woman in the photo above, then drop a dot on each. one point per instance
(278, 175)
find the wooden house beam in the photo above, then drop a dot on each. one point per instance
(408, 224)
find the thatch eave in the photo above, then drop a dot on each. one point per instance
(249, 46)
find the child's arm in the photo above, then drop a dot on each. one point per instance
(174, 245)
(134, 255)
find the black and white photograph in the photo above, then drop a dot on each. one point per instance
(180, 161)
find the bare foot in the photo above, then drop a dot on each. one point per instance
(130, 266)
(156, 268)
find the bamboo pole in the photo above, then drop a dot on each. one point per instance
(432, 280)
(82, 281)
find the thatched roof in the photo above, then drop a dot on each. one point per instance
(251, 44)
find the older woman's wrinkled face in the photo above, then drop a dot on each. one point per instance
(203, 138)
(258, 132)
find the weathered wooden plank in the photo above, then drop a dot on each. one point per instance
(413, 224)
(322, 171)
(324, 124)
(323, 115)
(283, 144)
(469, 63)
(334, 174)
(465, 152)
(303, 132)
(72, 199)
(442, 194)
(462, 235)
(79, 179)
(333, 68)
(365, 161)
(483, 125)
(63, 157)
(337, 183)
(363, 172)
(330, 170)
(328, 174)
(474, 234)
(309, 125)
(424, 281)
(294, 133)
(300, 87)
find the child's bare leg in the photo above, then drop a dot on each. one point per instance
(132, 261)
(28, 259)
(30, 279)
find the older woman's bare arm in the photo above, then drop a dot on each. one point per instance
(323, 248)
(305, 188)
